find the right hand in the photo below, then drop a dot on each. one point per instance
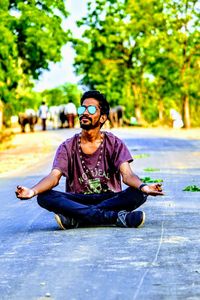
(24, 193)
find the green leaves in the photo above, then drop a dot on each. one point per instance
(191, 188)
(143, 55)
(62, 94)
(151, 170)
(31, 37)
(151, 180)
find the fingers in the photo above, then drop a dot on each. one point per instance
(158, 194)
(24, 193)
(156, 190)
(19, 188)
(19, 191)
(157, 187)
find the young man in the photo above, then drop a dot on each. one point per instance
(93, 163)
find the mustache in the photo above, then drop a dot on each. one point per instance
(88, 118)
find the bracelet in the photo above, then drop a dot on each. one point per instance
(141, 186)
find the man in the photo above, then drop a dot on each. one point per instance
(43, 114)
(70, 112)
(93, 163)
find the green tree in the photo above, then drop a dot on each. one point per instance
(62, 95)
(71, 93)
(115, 55)
(31, 37)
(53, 96)
(185, 38)
(143, 54)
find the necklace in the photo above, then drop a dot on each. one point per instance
(85, 168)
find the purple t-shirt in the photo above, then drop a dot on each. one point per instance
(102, 178)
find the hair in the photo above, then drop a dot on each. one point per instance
(104, 105)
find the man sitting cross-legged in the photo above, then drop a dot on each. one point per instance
(93, 162)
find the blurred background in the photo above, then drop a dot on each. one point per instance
(143, 55)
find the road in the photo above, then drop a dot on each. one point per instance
(158, 261)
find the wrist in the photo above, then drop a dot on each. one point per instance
(34, 192)
(141, 186)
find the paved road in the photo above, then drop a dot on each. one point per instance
(159, 261)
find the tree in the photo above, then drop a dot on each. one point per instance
(114, 55)
(62, 95)
(71, 93)
(32, 38)
(143, 54)
(184, 19)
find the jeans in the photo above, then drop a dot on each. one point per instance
(92, 209)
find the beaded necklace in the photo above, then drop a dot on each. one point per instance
(85, 168)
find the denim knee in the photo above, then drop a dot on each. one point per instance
(41, 199)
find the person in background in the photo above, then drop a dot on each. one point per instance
(93, 162)
(176, 119)
(70, 112)
(43, 114)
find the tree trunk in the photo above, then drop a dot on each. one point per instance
(138, 114)
(186, 112)
(161, 109)
(137, 96)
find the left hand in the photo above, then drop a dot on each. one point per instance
(154, 189)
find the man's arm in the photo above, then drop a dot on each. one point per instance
(47, 183)
(132, 180)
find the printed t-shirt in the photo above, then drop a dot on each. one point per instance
(102, 178)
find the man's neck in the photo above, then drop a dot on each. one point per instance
(91, 135)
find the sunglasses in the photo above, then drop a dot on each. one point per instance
(91, 109)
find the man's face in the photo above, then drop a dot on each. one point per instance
(90, 120)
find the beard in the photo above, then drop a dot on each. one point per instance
(89, 125)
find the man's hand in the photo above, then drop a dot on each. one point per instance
(153, 189)
(24, 193)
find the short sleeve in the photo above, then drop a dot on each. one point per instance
(121, 154)
(61, 160)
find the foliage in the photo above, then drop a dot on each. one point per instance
(151, 170)
(150, 180)
(31, 37)
(143, 55)
(191, 188)
(62, 95)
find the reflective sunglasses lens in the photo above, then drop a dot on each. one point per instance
(92, 109)
(81, 110)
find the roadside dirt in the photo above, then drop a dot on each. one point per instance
(25, 150)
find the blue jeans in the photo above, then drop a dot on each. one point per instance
(92, 209)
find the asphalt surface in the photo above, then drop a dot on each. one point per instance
(158, 261)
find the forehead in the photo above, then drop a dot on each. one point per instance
(90, 101)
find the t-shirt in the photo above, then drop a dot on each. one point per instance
(102, 175)
(70, 108)
(43, 111)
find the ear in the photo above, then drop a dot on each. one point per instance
(103, 119)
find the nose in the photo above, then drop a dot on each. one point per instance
(86, 112)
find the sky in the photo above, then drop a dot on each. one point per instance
(62, 72)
